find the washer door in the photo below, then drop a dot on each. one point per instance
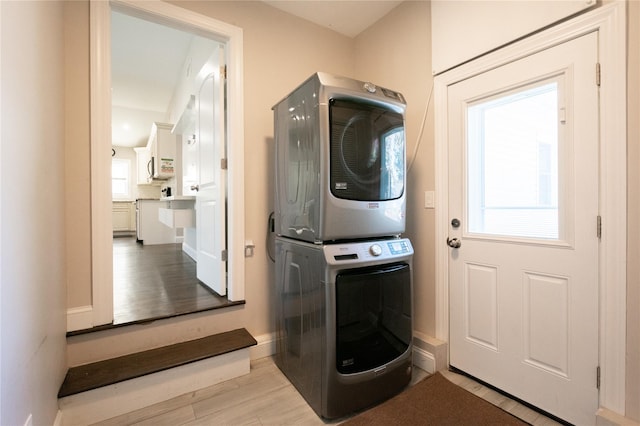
(373, 310)
(367, 151)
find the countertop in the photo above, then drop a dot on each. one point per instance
(179, 198)
(172, 198)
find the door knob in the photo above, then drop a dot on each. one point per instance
(195, 187)
(454, 243)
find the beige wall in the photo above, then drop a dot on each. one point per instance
(77, 189)
(32, 311)
(633, 269)
(396, 53)
(280, 52)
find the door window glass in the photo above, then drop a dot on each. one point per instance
(512, 163)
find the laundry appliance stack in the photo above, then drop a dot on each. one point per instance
(343, 271)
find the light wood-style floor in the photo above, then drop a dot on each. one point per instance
(266, 397)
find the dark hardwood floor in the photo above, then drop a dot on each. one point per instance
(157, 281)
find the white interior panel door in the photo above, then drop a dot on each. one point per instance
(523, 204)
(210, 198)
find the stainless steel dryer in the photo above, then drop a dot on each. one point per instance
(344, 321)
(340, 161)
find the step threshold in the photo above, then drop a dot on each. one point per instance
(108, 372)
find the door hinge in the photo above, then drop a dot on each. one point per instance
(223, 71)
(223, 163)
(598, 377)
(599, 227)
(598, 74)
(223, 255)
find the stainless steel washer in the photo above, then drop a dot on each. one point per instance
(344, 321)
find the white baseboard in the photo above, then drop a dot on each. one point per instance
(79, 318)
(58, 419)
(431, 351)
(424, 360)
(190, 251)
(266, 346)
(111, 401)
(606, 417)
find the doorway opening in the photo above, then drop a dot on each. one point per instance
(100, 310)
(154, 69)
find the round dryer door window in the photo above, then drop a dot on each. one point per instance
(367, 151)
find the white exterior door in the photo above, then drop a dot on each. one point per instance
(523, 204)
(210, 198)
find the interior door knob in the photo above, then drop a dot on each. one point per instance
(195, 187)
(454, 243)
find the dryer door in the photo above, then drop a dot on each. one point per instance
(367, 151)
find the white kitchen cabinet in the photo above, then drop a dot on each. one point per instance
(150, 229)
(123, 216)
(162, 148)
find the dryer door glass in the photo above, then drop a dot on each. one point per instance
(373, 316)
(367, 151)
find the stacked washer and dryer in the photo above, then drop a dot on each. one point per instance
(343, 272)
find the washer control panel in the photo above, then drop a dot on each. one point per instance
(399, 247)
(368, 250)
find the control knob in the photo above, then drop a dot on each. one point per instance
(375, 250)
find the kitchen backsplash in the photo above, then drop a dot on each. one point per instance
(148, 191)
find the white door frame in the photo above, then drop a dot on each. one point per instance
(101, 309)
(610, 22)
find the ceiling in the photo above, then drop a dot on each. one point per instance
(147, 58)
(348, 17)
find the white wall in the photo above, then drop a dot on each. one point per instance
(32, 314)
(463, 29)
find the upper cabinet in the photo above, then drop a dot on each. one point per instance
(162, 148)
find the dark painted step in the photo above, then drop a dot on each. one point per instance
(104, 373)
